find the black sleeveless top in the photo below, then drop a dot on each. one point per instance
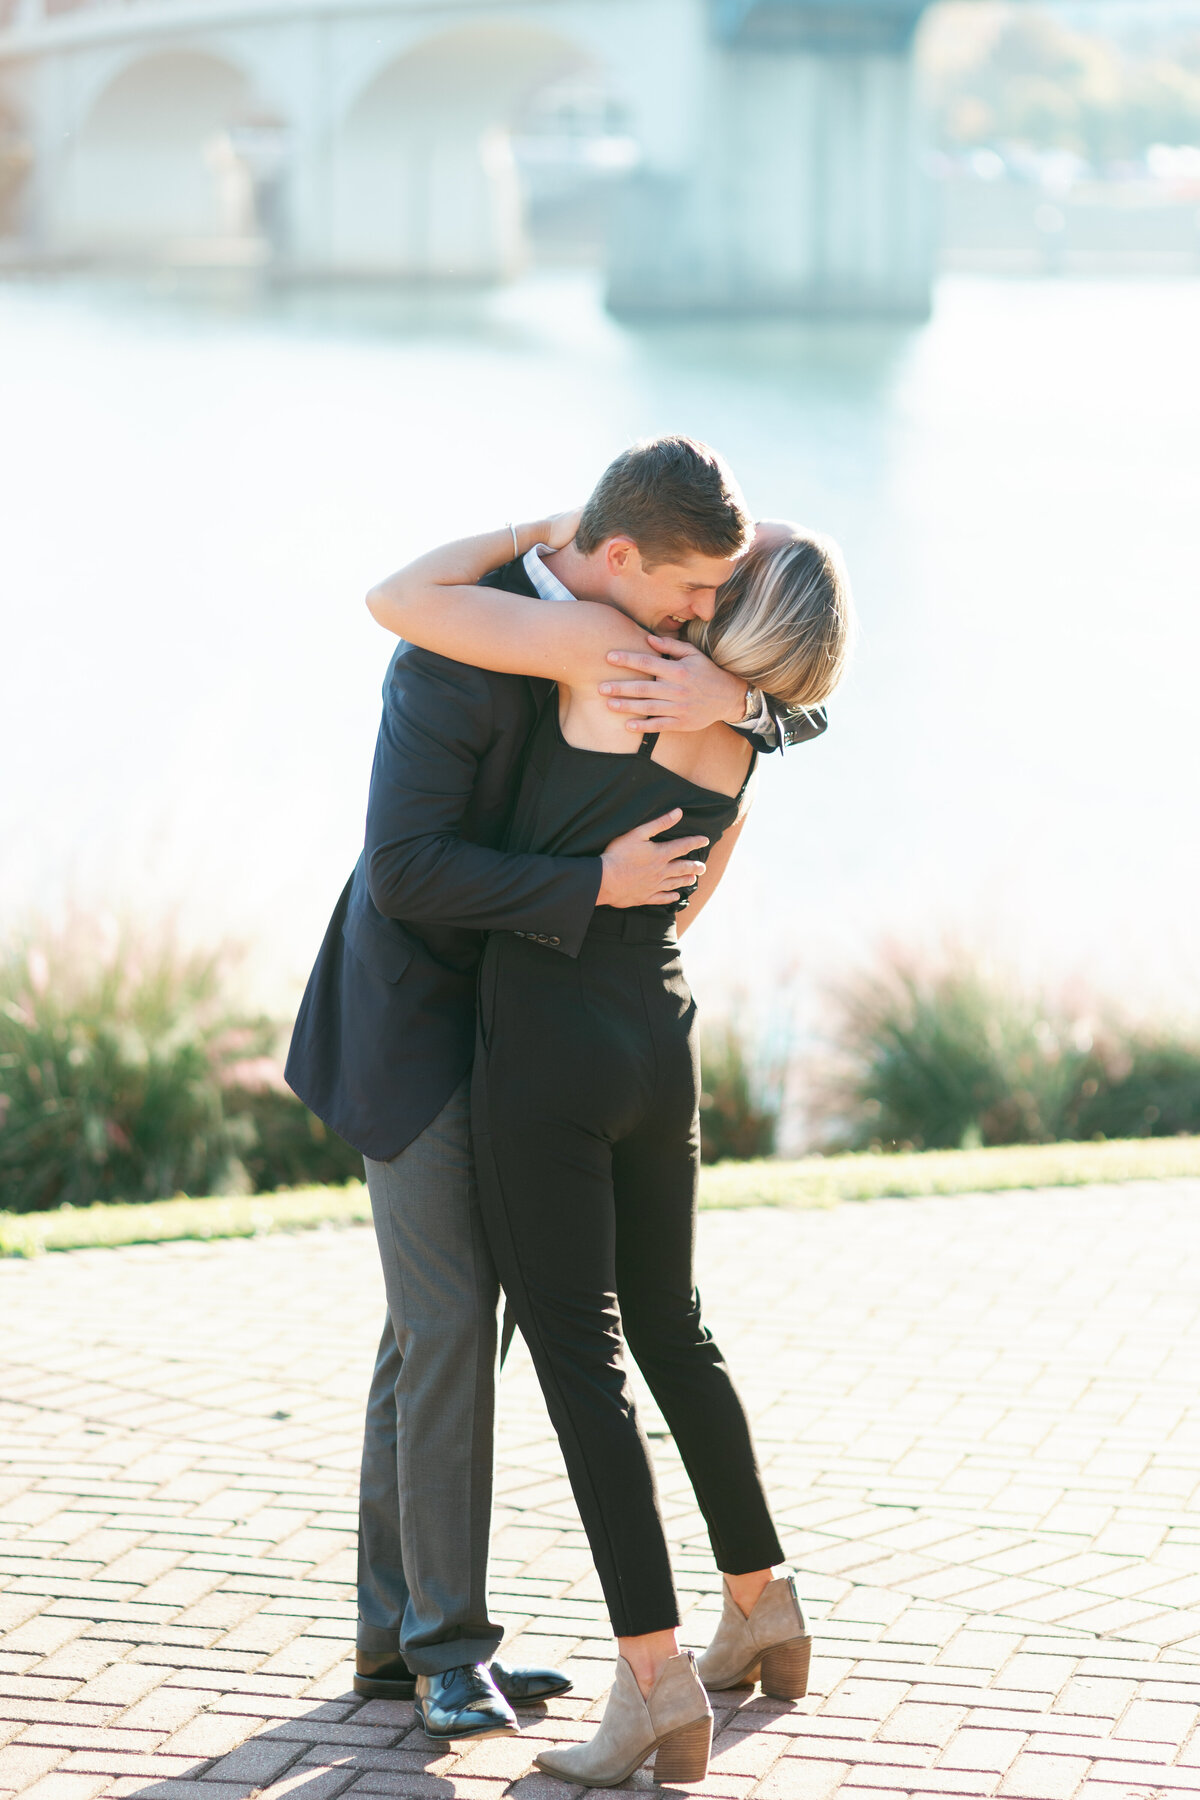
(574, 802)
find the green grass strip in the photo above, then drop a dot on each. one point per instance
(163, 1221)
(813, 1182)
(828, 1180)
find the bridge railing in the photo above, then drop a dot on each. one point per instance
(828, 25)
(15, 13)
(18, 14)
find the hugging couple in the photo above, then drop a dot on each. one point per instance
(498, 1019)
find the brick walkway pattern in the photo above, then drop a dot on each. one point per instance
(980, 1424)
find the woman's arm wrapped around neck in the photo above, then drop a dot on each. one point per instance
(435, 603)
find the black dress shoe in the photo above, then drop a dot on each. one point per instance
(521, 1687)
(463, 1703)
(384, 1676)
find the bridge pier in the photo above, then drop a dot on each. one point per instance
(805, 192)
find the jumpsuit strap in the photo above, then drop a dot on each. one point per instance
(646, 747)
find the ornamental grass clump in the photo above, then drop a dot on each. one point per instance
(954, 1054)
(1138, 1082)
(111, 1064)
(127, 1074)
(739, 1105)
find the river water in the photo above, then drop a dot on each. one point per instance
(198, 487)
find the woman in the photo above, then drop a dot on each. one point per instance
(585, 1110)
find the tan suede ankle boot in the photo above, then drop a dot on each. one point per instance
(674, 1720)
(773, 1644)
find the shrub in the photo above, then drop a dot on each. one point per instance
(955, 1055)
(1138, 1083)
(126, 1074)
(739, 1116)
(290, 1146)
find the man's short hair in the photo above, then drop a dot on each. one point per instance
(674, 497)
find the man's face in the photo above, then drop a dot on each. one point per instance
(666, 597)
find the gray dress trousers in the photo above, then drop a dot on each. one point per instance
(425, 1498)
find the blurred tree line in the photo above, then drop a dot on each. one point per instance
(1016, 74)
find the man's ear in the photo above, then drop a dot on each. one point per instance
(621, 556)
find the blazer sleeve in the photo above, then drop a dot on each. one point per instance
(437, 725)
(785, 728)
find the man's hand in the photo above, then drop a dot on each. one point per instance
(638, 872)
(682, 691)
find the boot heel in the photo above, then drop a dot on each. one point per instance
(683, 1756)
(785, 1669)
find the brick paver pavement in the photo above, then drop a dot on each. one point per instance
(980, 1424)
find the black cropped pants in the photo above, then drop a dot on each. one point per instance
(585, 1119)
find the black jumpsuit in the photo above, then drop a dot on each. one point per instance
(585, 1115)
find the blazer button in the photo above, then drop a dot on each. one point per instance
(520, 934)
(554, 940)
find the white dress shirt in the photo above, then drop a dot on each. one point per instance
(549, 587)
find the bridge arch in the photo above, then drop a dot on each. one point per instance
(150, 169)
(424, 179)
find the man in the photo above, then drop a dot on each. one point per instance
(384, 1041)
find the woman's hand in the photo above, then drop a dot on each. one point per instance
(561, 528)
(771, 534)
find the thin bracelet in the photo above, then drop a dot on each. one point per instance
(516, 544)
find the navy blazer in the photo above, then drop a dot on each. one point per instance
(386, 1029)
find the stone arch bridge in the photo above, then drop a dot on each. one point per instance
(778, 163)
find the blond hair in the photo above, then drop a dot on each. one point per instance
(784, 621)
